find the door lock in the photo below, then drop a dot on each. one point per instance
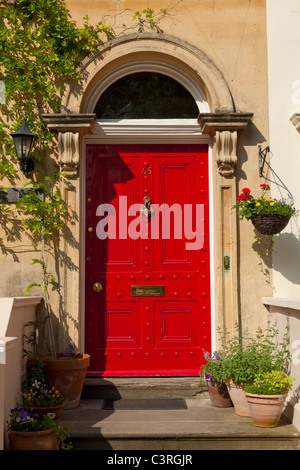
(97, 287)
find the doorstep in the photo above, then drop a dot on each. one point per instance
(144, 387)
(199, 426)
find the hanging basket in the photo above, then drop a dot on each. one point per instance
(270, 224)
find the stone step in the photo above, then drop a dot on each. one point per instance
(198, 427)
(144, 387)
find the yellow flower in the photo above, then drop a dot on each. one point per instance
(257, 204)
(271, 203)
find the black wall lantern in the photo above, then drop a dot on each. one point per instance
(23, 140)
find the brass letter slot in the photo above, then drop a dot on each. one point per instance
(147, 291)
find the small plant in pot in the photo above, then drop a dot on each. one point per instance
(266, 397)
(30, 431)
(217, 389)
(244, 356)
(64, 372)
(35, 394)
(42, 400)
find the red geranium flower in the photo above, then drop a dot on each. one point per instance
(246, 191)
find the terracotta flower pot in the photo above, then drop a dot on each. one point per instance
(40, 440)
(67, 374)
(265, 410)
(219, 395)
(44, 410)
(238, 398)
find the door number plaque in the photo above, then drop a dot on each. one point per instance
(147, 291)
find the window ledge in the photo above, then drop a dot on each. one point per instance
(292, 303)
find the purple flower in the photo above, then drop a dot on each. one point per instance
(216, 355)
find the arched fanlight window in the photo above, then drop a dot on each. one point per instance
(146, 95)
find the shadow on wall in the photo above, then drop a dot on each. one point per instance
(286, 255)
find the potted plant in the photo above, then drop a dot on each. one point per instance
(59, 375)
(42, 400)
(269, 216)
(244, 356)
(266, 397)
(30, 431)
(213, 373)
(35, 394)
(66, 372)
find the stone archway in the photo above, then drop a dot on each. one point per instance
(145, 47)
(222, 124)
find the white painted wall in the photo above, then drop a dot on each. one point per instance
(14, 314)
(283, 30)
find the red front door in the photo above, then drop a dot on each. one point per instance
(147, 269)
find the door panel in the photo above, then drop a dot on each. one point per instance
(152, 316)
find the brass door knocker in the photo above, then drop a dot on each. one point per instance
(147, 208)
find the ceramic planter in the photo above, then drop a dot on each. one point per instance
(39, 440)
(218, 395)
(67, 374)
(238, 399)
(265, 410)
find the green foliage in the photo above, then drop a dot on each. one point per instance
(45, 213)
(248, 206)
(39, 46)
(150, 18)
(212, 368)
(243, 356)
(47, 278)
(270, 383)
(31, 341)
